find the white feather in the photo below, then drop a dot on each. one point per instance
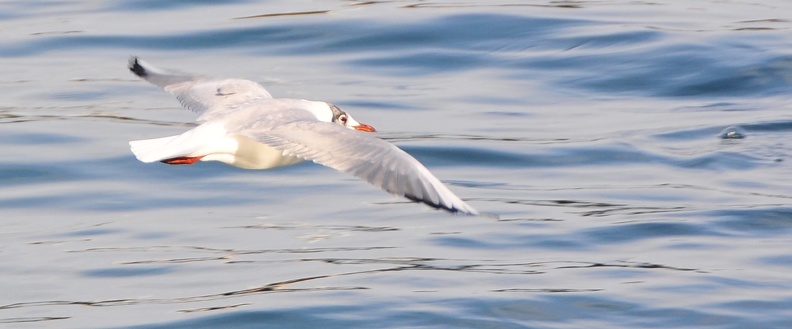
(205, 139)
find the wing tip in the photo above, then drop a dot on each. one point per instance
(136, 68)
(454, 209)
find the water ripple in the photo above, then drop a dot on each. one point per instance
(640, 61)
(593, 126)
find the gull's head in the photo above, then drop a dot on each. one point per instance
(346, 120)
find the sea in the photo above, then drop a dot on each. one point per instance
(633, 158)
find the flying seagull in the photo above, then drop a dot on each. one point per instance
(241, 124)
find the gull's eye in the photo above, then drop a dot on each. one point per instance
(343, 119)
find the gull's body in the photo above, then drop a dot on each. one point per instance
(242, 125)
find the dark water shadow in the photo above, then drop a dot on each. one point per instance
(155, 5)
(533, 311)
(765, 220)
(384, 265)
(577, 155)
(639, 61)
(708, 132)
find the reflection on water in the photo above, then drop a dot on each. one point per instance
(636, 152)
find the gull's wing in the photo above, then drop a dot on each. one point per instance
(369, 158)
(198, 93)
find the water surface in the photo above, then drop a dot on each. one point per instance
(636, 153)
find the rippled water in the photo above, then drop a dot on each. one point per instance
(637, 153)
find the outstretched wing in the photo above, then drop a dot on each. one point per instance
(198, 93)
(364, 156)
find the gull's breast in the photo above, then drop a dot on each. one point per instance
(250, 154)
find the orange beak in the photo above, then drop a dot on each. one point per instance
(365, 127)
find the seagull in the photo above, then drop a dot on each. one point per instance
(242, 125)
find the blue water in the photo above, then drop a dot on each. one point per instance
(636, 152)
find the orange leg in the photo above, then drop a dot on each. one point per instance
(182, 160)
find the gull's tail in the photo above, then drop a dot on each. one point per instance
(199, 141)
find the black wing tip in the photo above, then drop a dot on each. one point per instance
(452, 210)
(136, 68)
